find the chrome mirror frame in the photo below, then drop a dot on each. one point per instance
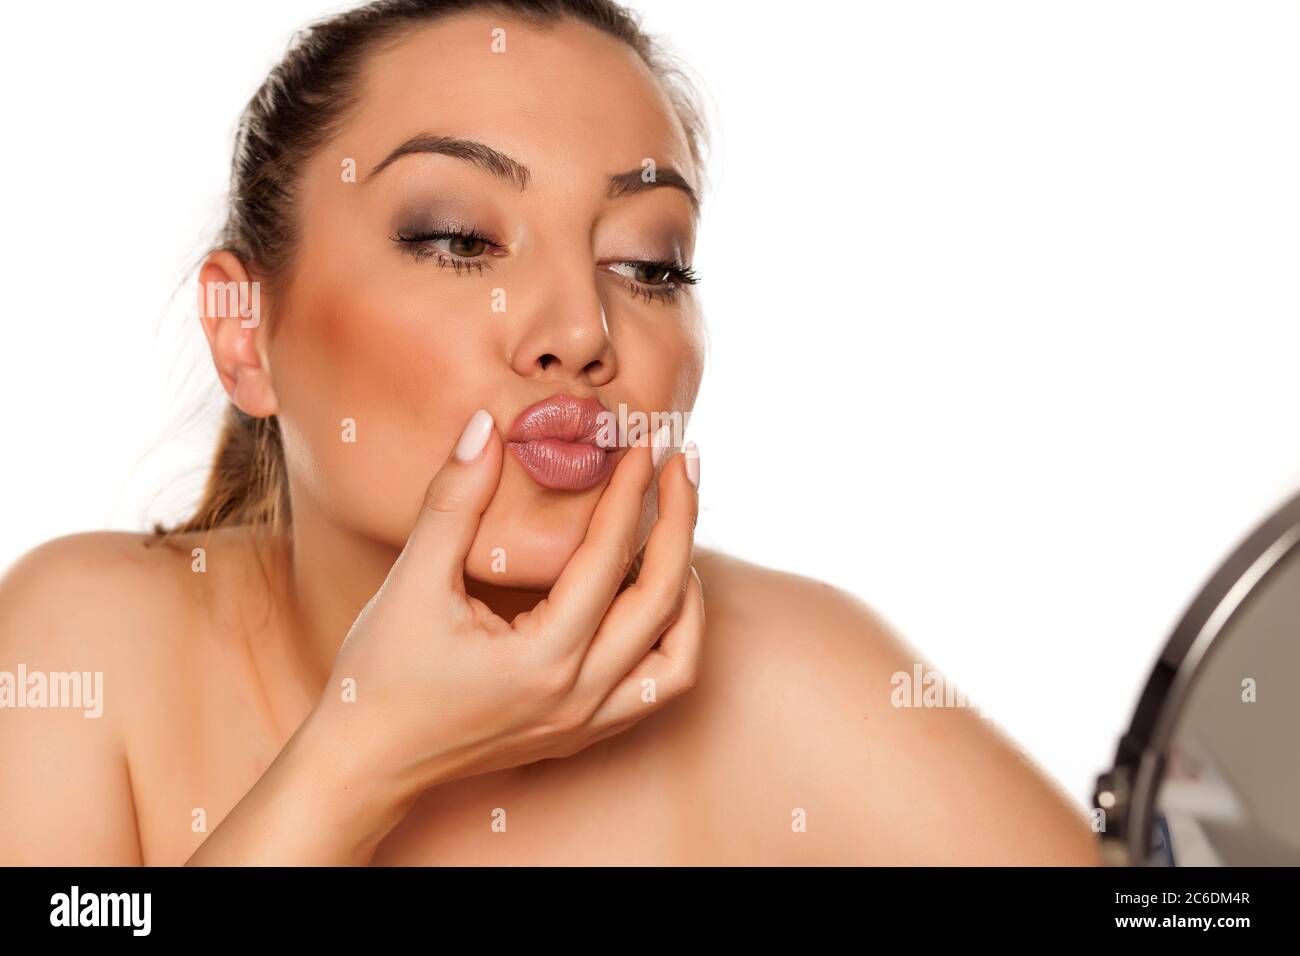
(1127, 792)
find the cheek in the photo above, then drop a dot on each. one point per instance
(363, 385)
(694, 347)
(670, 366)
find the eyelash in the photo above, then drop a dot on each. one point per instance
(679, 275)
(417, 248)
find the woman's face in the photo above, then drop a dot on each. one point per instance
(545, 292)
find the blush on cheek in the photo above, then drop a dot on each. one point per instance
(364, 404)
(339, 475)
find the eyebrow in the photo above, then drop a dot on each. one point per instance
(518, 175)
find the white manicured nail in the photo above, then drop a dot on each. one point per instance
(475, 436)
(660, 444)
(692, 454)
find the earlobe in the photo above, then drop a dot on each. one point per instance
(252, 393)
(231, 310)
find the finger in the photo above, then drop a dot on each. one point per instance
(641, 613)
(453, 505)
(583, 592)
(666, 672)
(618, 728)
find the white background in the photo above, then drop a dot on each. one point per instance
(1002, 296)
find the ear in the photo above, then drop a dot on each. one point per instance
(230, 308)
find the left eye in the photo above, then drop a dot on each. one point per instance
(646, 273)
(652, 274)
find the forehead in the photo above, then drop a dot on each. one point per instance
(566, 100)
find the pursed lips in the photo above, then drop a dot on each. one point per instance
(556, 442)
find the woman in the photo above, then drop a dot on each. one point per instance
(435, 607)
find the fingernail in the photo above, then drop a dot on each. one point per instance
(475, 436)
(692, 454)
(660, 444)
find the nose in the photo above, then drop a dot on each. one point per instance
(564, 334)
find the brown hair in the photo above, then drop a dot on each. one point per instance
(302, 103)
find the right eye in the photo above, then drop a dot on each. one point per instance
(461, 249)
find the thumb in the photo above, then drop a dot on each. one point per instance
(453, 504)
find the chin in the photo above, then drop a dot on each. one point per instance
(526, 555)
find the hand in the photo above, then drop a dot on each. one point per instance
(445, 688)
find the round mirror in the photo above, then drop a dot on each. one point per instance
(1209, 771)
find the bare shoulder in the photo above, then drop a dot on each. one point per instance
(78, 620)
(114, 575)
(745, 595)
(85, 591)
(116, 603)
(809, 757)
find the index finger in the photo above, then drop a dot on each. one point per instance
(454, 502)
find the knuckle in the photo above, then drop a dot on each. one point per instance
(666, 601)
(570, 717)
(572, 747)
(691, 676)
(554, 683)
(676, 597)
(687, 678)
(620, 555)
(691, 667)
(694, 592)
